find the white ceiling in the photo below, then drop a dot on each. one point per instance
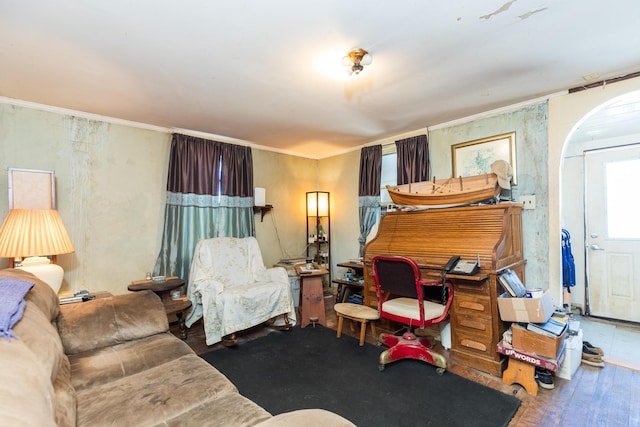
(270, 73)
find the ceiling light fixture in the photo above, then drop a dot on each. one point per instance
(356, 59)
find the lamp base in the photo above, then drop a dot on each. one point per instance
(44, 270)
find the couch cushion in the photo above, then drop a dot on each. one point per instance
(35, 329)
(152, 396)
(228, 410)
(42, 295)
(41, 337)
(307, 418)
(26, 392)
(112, 321)
(65, 396)
(97, 367)
(37, 351)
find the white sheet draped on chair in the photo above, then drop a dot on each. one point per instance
(232, 290)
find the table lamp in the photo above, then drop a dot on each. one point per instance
(36, 233)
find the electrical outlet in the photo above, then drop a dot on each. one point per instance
(528, 202)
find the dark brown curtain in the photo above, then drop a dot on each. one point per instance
(413, 159)
(209, 194)
(370, 171)
(195, 165)
(237, 167)
(369, 190)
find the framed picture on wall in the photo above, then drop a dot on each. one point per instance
(475, 157)
(31, 189)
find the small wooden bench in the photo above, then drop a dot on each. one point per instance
(357, 313)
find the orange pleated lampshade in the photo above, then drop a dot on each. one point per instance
(34, 232)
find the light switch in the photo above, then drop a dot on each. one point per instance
(528, 202)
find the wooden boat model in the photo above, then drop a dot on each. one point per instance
(446, 192)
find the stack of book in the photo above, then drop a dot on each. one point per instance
(305, 270)
(544, 339)
(551, 328)
(511, 283)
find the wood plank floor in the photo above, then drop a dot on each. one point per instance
(594, 397)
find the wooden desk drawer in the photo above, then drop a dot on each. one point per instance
(471, 287)
(479, 344)
(471, 305)
(476, 325)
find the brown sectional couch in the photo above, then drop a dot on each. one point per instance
(112, 361)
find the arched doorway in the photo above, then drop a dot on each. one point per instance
(605, 251)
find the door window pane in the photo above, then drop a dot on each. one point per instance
(623, 204)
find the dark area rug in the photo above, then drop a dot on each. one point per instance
(311, 368)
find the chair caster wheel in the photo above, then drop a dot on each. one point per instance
(440, 371)
(380, 368)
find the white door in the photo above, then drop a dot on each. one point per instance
(612, 209)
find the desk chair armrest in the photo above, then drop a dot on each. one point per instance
(449, 286)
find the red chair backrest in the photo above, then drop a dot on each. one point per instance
(397, 275)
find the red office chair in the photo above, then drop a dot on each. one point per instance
(401, 298)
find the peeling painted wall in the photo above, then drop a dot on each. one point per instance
(530, 125)
(110, 185)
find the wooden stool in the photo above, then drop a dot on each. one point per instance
(522, 373)
(358, 313)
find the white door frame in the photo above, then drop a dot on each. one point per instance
(605, 254)
(566, 113)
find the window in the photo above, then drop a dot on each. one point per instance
(622, 206)
(389, 172)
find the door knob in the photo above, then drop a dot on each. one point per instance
(596, 248)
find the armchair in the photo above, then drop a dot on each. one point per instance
(232, 290)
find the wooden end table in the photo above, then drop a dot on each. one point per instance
(311, 297)
(178, 307)
(163, 289)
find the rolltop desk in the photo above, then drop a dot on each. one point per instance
(492, 233)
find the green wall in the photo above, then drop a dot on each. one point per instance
(286, 179)
(110, 183)
(530, 126)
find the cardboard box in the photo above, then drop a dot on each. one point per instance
(534, 342)
(535, 310)
(531, 358)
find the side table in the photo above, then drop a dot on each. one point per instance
(178, 307)
(311, 297)
(163, 289)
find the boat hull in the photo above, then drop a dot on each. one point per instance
(446, 193)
